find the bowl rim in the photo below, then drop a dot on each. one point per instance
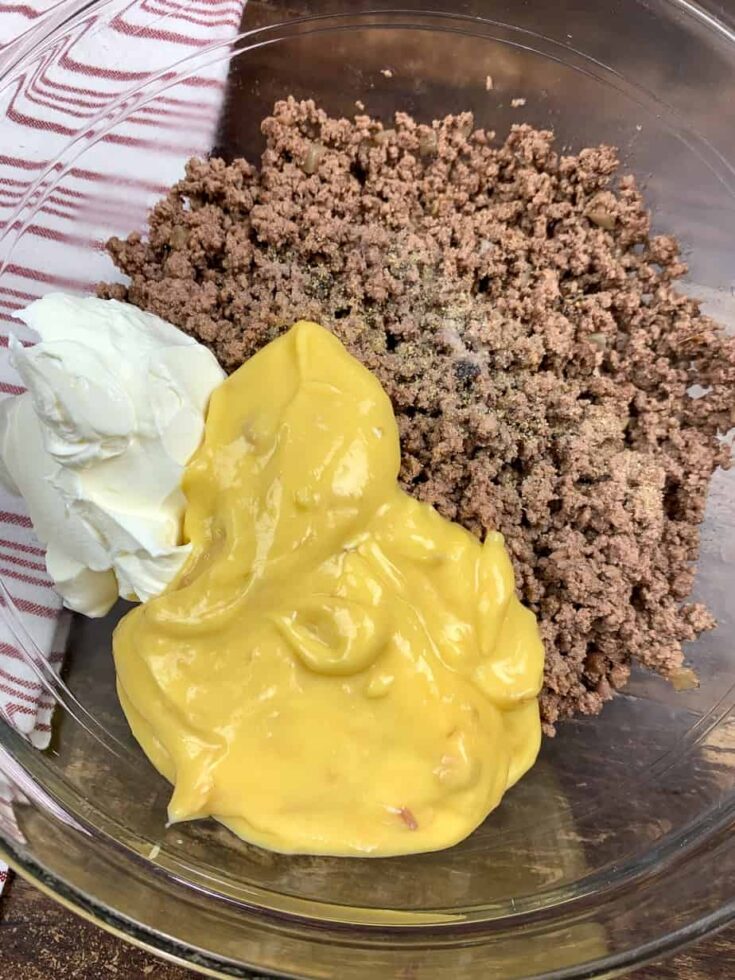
(374, 18)
(163, 948)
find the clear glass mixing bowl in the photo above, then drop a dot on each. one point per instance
(617, 847)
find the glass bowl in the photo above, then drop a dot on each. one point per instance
(618, 846)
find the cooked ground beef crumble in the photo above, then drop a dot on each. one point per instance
(527, 328)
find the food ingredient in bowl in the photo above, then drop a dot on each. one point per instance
(527, 327)
(337, 669)
(98, 443)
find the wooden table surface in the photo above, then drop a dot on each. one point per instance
(40, 940)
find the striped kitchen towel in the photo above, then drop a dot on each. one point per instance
(97, 118)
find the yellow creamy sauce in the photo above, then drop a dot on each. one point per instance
(338, 669)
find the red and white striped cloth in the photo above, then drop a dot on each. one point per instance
(96, 121)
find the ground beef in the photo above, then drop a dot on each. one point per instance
(525, 324)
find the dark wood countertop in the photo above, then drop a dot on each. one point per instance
(40, 940)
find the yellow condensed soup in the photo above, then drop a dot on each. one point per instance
(338, 669)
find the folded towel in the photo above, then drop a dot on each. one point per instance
(71, 175)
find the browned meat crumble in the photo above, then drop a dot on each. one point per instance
(527, 328)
